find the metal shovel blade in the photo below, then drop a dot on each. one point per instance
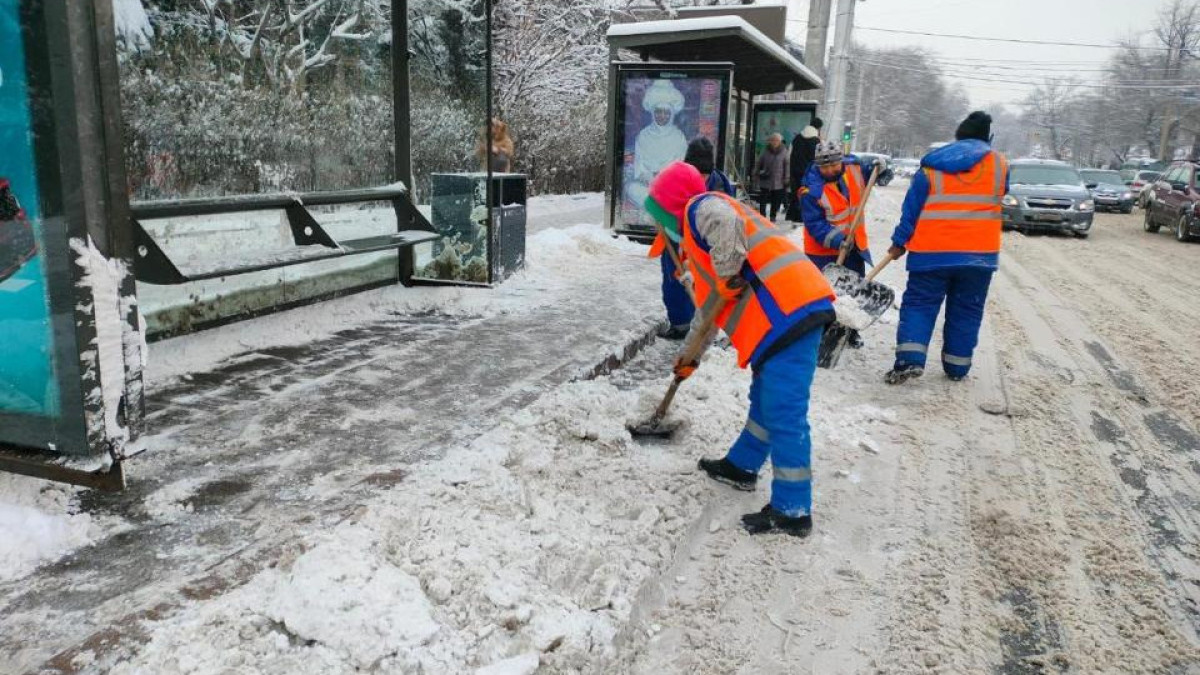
(843, 279)
(874, 299)
(833, 343)
(653, 429)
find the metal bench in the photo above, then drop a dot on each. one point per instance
(153, 266)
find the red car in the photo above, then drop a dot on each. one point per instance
(17, 244)
(1176, 201)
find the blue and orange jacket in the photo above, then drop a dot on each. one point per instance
(787, 294)
(816, 219)
(969, 238)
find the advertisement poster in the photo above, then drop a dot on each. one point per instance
(661, 113)
(788, 122)
(27, 382)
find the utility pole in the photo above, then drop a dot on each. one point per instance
(818, 35)
(839, 67)
(858, 106)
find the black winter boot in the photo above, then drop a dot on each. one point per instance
(902, 374)
(855, 340)
(769, 520)
(723, 471)
(669, 332)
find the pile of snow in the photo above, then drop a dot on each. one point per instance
(39, 523)
(557, 261)
(530, 547)
(132, 24)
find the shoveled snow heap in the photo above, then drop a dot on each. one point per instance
(531, 546)
(39, 522)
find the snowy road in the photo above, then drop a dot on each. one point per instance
(1042, 518)
(329, 517)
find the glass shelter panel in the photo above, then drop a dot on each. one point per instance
(659, 111)
(40, 398)
(448, 71)
(787, 119)
(246, 97)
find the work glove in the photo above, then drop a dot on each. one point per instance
(731, 288)
(685, 370)
(897, 252)
(686, 280)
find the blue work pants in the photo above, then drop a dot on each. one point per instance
(777, 426)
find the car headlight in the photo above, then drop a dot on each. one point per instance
(1087, 206)
(1127, 195)
(1010, 200)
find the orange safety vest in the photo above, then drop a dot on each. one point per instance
(840, 212)
(963, 212)
(779, 265)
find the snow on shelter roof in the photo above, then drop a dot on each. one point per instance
(761, 66)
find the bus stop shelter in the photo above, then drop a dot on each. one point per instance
(761, 67)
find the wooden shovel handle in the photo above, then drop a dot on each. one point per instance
(662, 232)
(887, 259)
(858, 218)
(702, 333)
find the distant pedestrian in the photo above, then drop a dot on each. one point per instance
(951, 225)
(500, 155)
(804, 148)
(772, 176)
(703, 156)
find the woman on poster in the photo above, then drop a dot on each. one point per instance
(660, 142)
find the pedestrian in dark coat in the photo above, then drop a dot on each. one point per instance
(804, 148)
(772, 176)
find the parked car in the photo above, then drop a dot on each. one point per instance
(1108, 190)
(1046, 195)
(1130, 169)
(1176, 202)
(906, 167)
(1142, 186)
(17, 243)
(887, 174)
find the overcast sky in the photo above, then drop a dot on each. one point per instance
(1092, 21)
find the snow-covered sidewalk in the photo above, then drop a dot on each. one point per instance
(385, 490)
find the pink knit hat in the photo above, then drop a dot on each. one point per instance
(671, 190)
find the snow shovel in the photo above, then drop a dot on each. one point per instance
(868, 301)
(845, 282)
(654, 427)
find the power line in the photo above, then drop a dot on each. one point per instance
(1014, 40)
(1156, 84)
(949, 63)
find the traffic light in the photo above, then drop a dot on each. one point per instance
(848, 132)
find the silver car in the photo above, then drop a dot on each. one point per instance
(1049, 196)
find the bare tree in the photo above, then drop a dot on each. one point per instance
(1050, 108)
(1178, 30)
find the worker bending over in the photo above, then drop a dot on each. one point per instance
(778, 305)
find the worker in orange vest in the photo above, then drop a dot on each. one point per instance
(777, 307)
(830, 198)
(832, 195)
(951, 228)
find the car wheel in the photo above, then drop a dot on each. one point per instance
(1149, 225)
(1127, 210)
(1181, 229)
(1082, 235)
